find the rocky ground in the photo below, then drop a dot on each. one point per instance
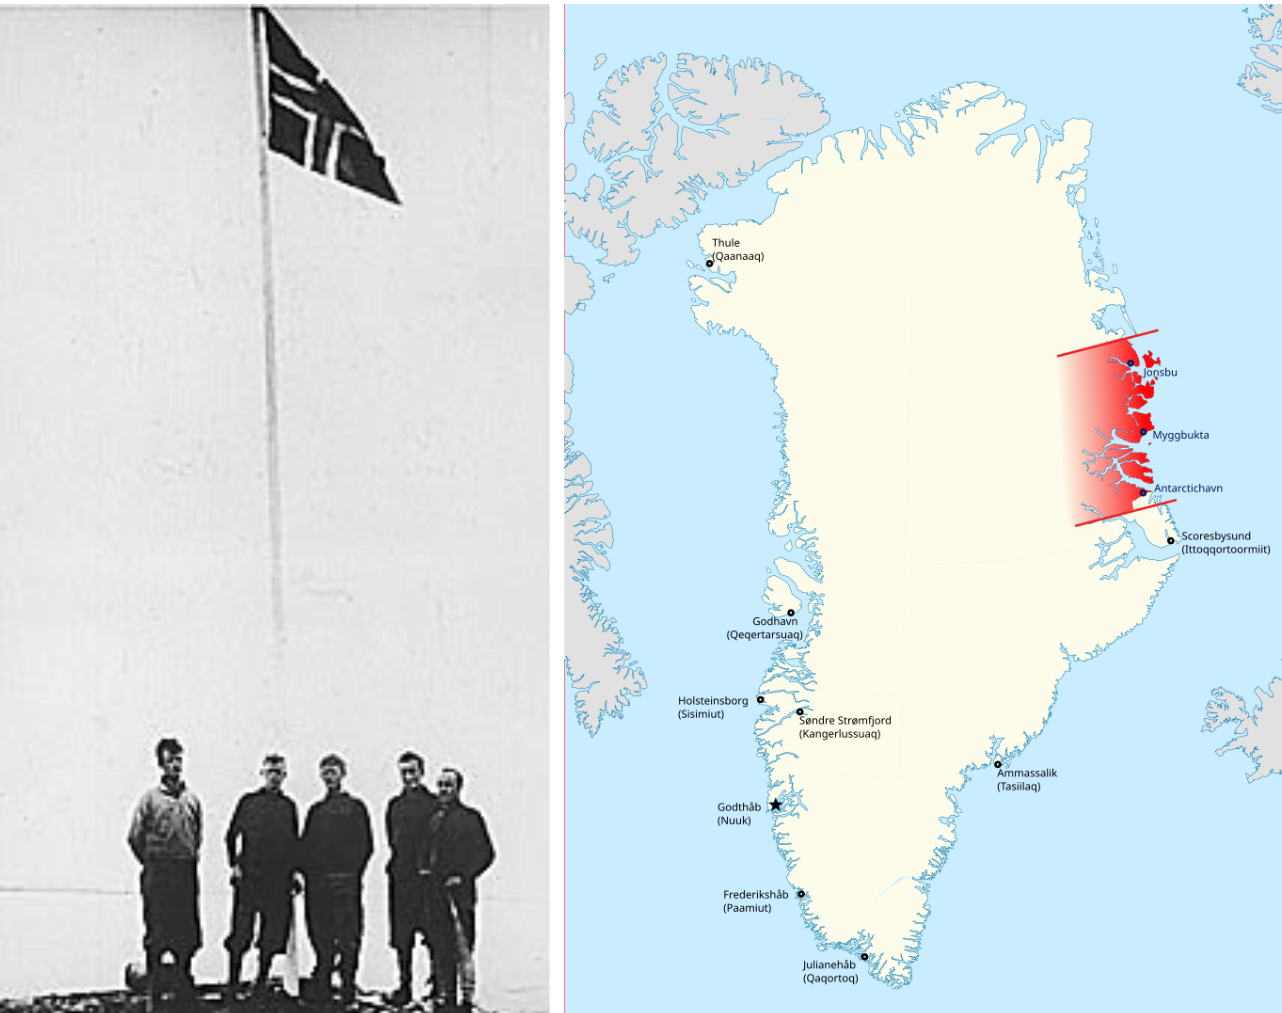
(211, 1001)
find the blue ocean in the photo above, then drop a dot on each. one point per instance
(1143, 876)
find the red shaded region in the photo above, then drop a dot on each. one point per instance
(1141, 425)
(1150, 360)
(1131, 462)
(1136, 466)
(1100, 400)
(1140, 394)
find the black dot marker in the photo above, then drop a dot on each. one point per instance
(801, 710)
(761, 699)
(997, 764)
(801, 893)
(709, 263)
(863, 956)
(792, 612)
(1170, 540)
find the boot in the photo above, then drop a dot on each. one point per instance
(444, 982)
(404, 993)
(234, 962)
(260, 980)
(188, 997)
(347, 976)
(347, 988)
(322, 982)
(153, 981)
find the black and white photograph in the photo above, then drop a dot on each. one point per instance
(274, 550)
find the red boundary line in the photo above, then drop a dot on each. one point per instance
(1124, 512)
(1103, 343)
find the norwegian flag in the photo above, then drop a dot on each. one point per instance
(310, 121)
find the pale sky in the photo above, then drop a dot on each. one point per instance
(134, 581)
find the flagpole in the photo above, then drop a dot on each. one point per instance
(279, 694)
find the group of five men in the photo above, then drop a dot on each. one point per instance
(438, 849)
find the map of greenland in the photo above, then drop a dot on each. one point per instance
(913, 293)
(1258, 732)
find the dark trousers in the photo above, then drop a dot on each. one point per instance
(442, 936)
(171, 923)
(406, 919)
(262, 898)
(335, 925)
(170, 909)
(406, 909)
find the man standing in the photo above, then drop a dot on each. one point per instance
(409, 816)
(262, 850)
(164, 836)
(459, 850)
(336, 846)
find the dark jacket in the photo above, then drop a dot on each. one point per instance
(409, 815)
(336, 836)
(263, 832)
(458, 844)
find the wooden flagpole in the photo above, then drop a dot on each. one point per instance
(257, 26)
(279, 697)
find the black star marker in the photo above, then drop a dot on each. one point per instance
(775, 804)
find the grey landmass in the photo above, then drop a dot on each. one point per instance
(1263, 77)
(595, 662)
(1266, 25)
(628, 101)
(726, 122)
(578, 285)
(569, 108)
(588, 218)
(761, 108)
(1258, 732)
(571, 171)
(600, 61)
